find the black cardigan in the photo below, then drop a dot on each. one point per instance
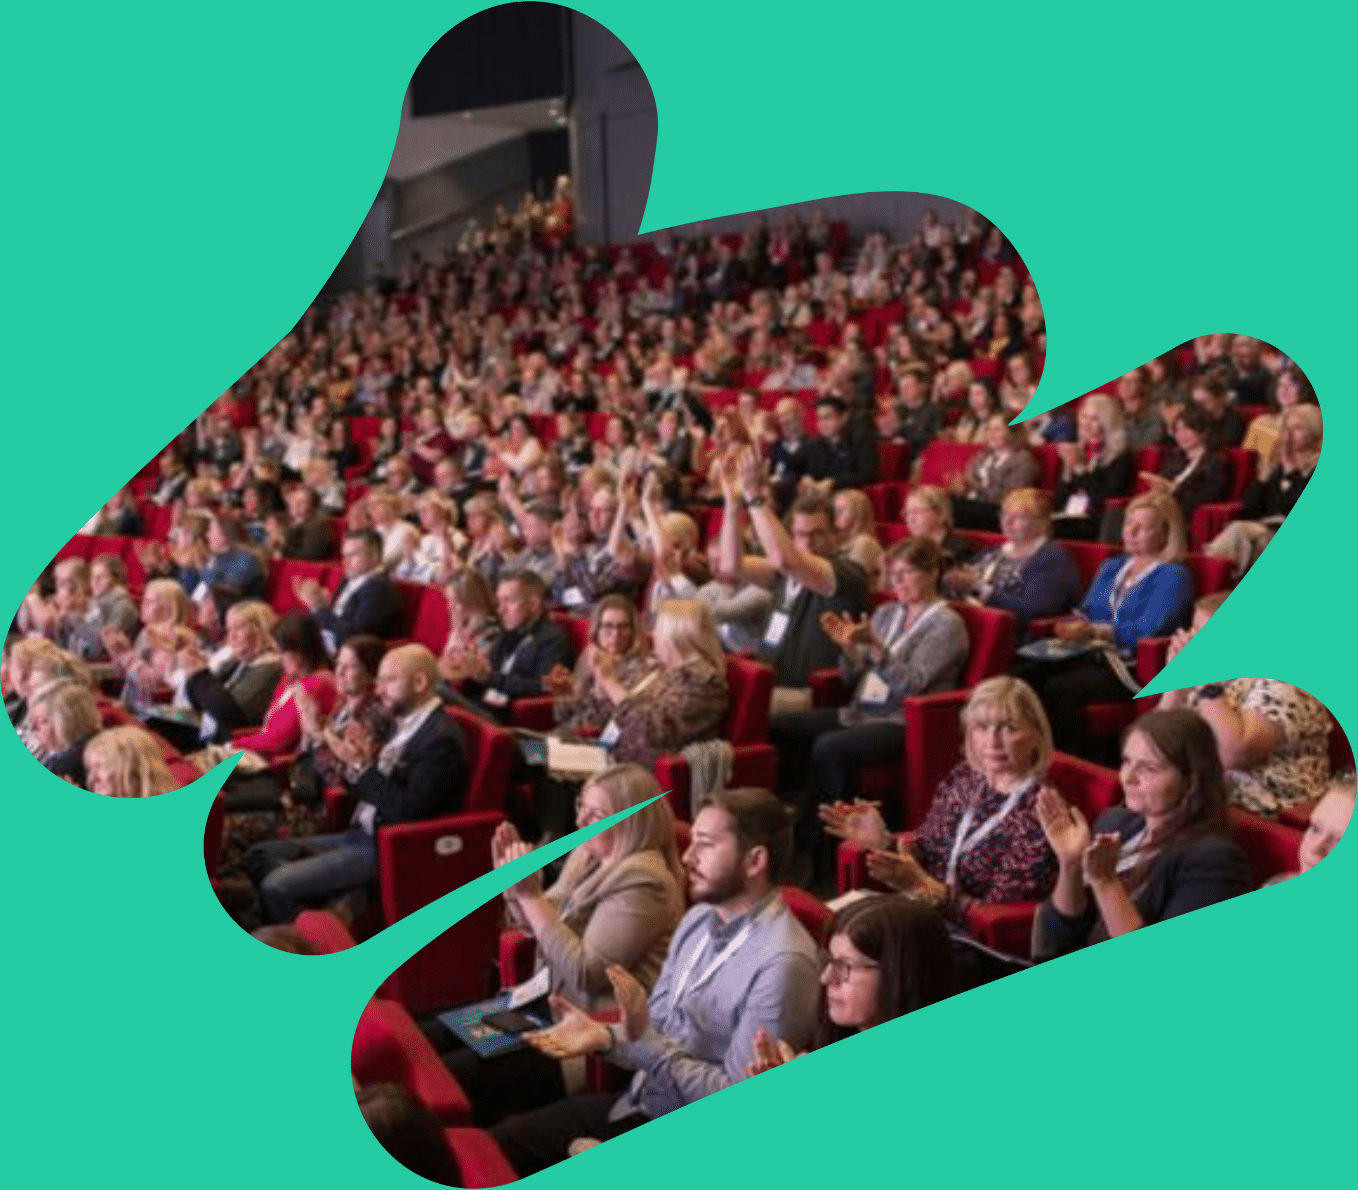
(1204, 871)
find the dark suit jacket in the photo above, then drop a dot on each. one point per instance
(429, 779)
(376, 608)
(534, 654)
(311, 541)
(850, 461)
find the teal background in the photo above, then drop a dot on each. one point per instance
(180, 183)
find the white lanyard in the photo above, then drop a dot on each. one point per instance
(1123, 584)
(966, 840)
(725, 953)
(891, 643)
(791, 589)
(513, 656)
(1187, 471)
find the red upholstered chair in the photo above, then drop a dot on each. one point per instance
(324, 931)
(284, 572)
(1008, 927)
(887, 500)
(479, 1159)
(80, 546)
(430, 625)
(1271, 847)
(893, 461)
(942, 460)
(412, 596)
(814, 914)
(1211, 519)
(389, 1048)
(1210, 575)
(747, 728)
(1049, 465)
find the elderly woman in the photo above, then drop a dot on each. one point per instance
(34, 665)
(126, 762)
(1268, 501)
(1165, 852)
(616, 650)
(915, 644)
(435, 553)
(615, 905)
(1147, 591)
(1272, 739)
(1096, 466)
(1004, 465)
(64, 718)
(1030, 574)
(856, 528)
(981, 841)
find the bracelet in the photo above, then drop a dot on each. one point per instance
(751, 502)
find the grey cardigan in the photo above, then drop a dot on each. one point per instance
(924, 662)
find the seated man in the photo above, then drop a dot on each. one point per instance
(530, 646)
(840, 457)
(232, 572)
(739, 962)
(308, 536)
(802, 570)
(419, 773)
(367, 602)
(792, 456)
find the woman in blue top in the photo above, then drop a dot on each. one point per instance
(1148, 591)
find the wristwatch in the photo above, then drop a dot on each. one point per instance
(753, 502)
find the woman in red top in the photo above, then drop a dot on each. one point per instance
(304, 666)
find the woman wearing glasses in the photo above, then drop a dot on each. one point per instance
(616, 901)
(616, 651)
(887, 956)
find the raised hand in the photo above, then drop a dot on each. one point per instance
(574, 1034)
(632, 1000)
(506, 834)
(1065, 827)
(1100, 860)
(766, 1053)
(531, 885)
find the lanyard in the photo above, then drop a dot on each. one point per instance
(891, 644)
(966, 839)
(1123, 584)
(513, 656)
(681, 985)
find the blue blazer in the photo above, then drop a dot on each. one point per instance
(1156, 606)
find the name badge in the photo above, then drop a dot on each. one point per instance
(610, 734)
(1078, 504)
(573, 597)
(495, 698)
(875, 692)
(777, 629)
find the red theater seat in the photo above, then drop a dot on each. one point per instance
(479, 1159)
(389, 1048)
(1271, 847)
(324, 931)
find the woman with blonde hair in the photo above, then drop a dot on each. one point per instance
(1291, 391)
(1029, 575)
(145, 665)
(1095, 467)
(617, 649)
(1268, 501)
(473, 625)
(615, 905)
(126, 762)
(64, 717)
(856, 526)
(981, 841)
(682, 700)
(1147, 591)
(927, 512)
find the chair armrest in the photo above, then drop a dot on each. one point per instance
(1007, 927)
(1042, 626)
(828, 689)
(1211, 519)
(517, 951)
(339, 806)
(852, 864)
(536, 713)
(755, 766)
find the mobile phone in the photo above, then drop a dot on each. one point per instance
(511, 1022)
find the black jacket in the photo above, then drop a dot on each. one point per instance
(427, 781)
(375, 609)
(849, 460)
(520, 660)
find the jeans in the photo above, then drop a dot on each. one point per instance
(292, 872)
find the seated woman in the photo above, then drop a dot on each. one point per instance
(616, 650)
(1191, 471)
(1030, 574)
(615, 904)
(1330, 818)
(126, 762)
(916, 644)
(72, 618)
(856, 528)
(1165, 852)
(473, 626)
(517, 452)
(980, 841)
(144, 666)
(680, 702)
(1147, 591)
(887, 956)
(1290, 391)
(1272, 739)
(32, 663)
(1096, 466)
(927, 512)
(435, 554)
(1004, 465)
(64, 718)
(982, 405)
(1268, 500)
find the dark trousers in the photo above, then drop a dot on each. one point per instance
(539, 1139)
(520, 1081)
(978, 515)
(818, 758)
(1065, 691)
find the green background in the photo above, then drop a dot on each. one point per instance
(180, 183)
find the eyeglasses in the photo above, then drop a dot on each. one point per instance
(586, 814)
(614, 626)
(843, 969)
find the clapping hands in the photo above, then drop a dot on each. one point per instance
(767, 1053)
(846, 631)
(857, 822)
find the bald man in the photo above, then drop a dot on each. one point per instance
(419, 772)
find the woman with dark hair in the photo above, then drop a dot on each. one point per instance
(887, 956)
(1191, 471)
(617, 649)
(1166, 851)
(409, 1131)
(990, 476)
(305, 666)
